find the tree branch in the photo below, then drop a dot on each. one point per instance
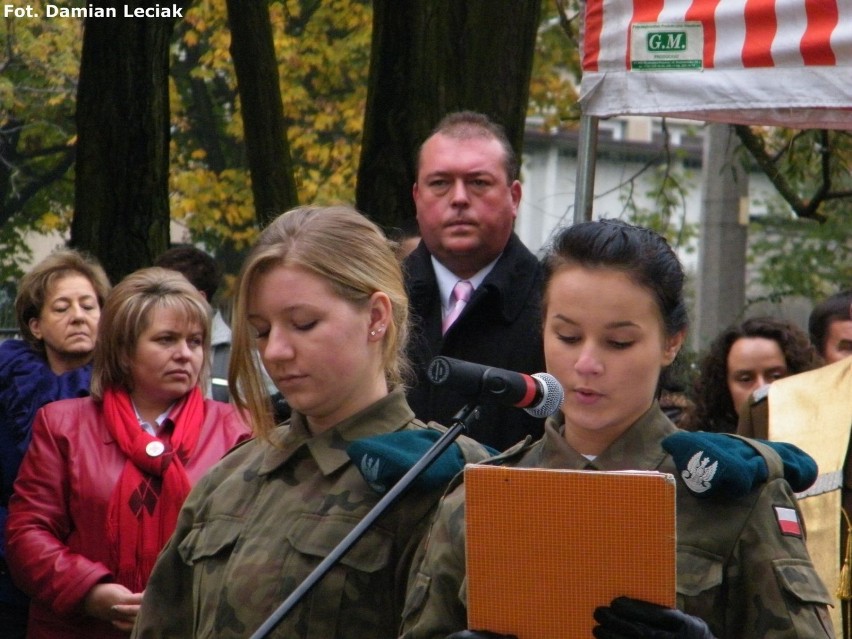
(802, 208)
(16, 201)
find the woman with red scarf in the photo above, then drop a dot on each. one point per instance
(102, 482)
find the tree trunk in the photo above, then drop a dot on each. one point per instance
(272, 182)
(724, 235)
(201, 109)
(121, 190)
(431, 57)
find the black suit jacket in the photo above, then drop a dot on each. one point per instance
(500, 326)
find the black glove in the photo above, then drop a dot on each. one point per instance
(479, 634)
(627, 618)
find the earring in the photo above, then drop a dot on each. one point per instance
(372, 333)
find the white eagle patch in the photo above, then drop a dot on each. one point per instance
(698, 473)
(370, 471)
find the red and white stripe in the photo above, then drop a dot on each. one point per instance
(737, 33)
(771, 62)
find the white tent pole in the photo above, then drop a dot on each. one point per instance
(587, 146)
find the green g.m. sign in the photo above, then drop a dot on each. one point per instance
(667, 41)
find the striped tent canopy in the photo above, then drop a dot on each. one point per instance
(771, 62)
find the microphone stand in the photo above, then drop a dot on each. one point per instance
(461, 420)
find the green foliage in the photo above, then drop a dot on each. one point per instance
(323, 51)
(324, 54)
(804, 258)
(13, 249)
(40, 65)
(556, 69)
(663, 205)
(799, 155)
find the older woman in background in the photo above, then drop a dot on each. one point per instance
(57, 308)
(102, 482)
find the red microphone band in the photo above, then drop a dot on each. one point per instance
(529, 396)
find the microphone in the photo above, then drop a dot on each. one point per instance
(539, 394)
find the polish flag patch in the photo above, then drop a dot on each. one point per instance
(788, 521)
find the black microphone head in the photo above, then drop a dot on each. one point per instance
(552, 396)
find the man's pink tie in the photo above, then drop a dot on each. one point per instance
(458, 300)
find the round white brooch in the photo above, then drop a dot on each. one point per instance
(155, 448)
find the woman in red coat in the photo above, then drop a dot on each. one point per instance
(102, 482)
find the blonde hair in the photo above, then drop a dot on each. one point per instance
(34, 286)
(348, 251)
(127, 314)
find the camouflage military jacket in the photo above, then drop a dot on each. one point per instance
(736, 570)
(262, 519)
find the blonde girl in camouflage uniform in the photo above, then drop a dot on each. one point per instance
(321, 298)
(614, 317)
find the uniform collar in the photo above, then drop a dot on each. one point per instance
(637, 449)
(328, 449)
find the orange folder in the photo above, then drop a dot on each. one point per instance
(546, 547)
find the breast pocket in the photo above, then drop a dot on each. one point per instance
(208, 539)
(697, 572)
(207, 548)
(807, 596)
(355, 597)
(699, 583)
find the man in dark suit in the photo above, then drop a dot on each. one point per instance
(475, 289)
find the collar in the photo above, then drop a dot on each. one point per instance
(220, 332)
(328, 449)
(27, 384)
(639, 448)
(152, 429)
(447, 280)
(515, 277)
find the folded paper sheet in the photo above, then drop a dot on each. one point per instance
(546, 547)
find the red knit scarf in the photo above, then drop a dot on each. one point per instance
(145, 501)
